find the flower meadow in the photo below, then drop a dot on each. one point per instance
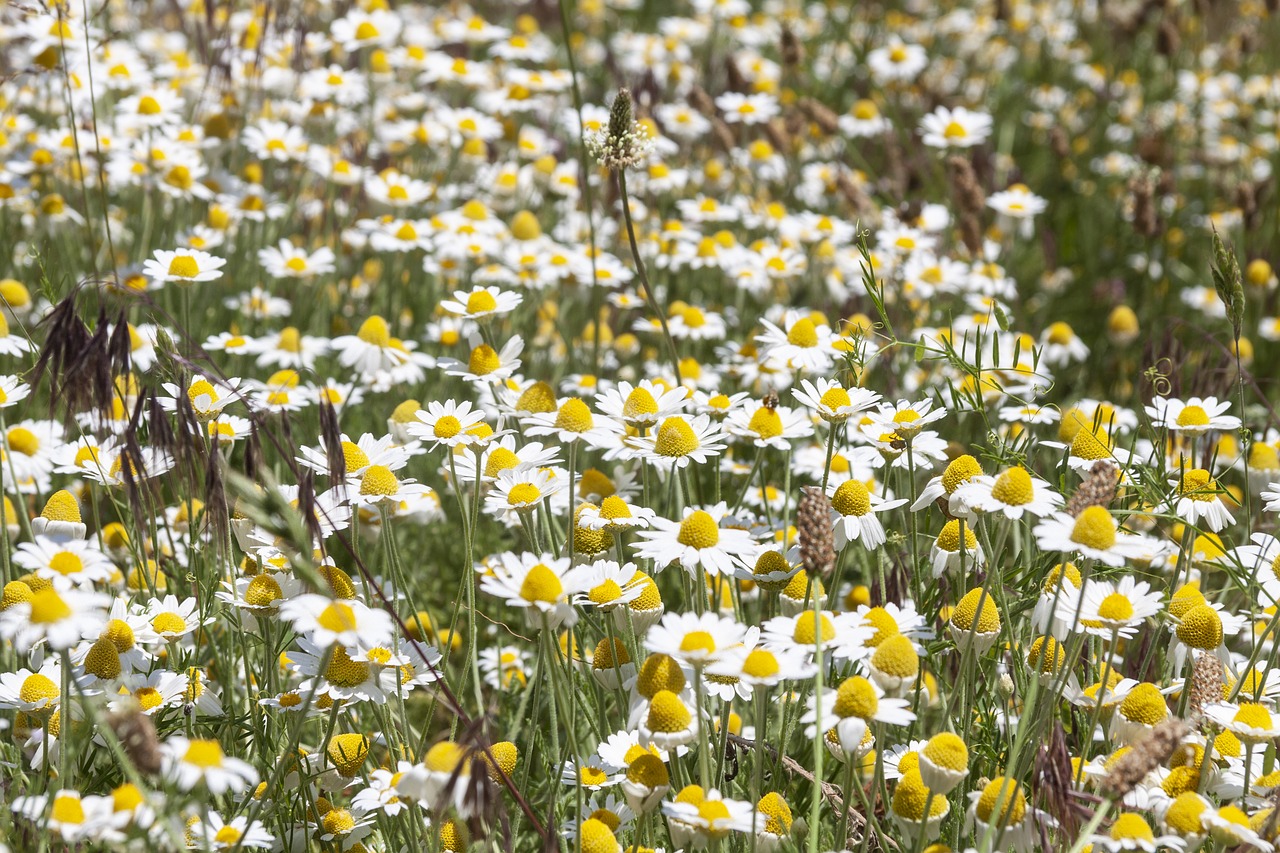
(639, 425)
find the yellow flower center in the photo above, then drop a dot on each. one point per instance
(67, 809)
(37, 688)
(835, 398)
(954, 130)
(337, 617)
(614, 508)
(481, 301)
(910, 797)
(638, 404)
(574, 416)
(203, 754)
(1198, 484)
(184, 266)
(1144, 704)
(961, 469)
(699, 530)
(947, 750)
(524, 495)
(807, 628)
(1013, 487)
(766, 423)
(965, 611)
(605, 593)
(1090, 445)
(760, 663)
(1201, 628)
(949, 538)
(851, 498)
(1184, 814)
(1131, 825)
(698, 641)
(1094, 528)
(24, 441)
(375, 331)
(378, 480)
(667, 713)
(263, 591)
(803, 333)
(1006, 792)
(896, 656)
(61, 506)
(541, 584)
(1193, 416)
(675, 438)
(48, 607)
(66, 563)
(345, 672)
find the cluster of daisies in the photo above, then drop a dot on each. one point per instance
(655, 430)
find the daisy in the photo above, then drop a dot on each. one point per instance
(769, 426)
(1060, 346)
(694, 640)
(172, 619)
(851, 708)
(1107, 608)
(449, 424)
(615, 515)
(207, 396)
(1000, 811)
(864, 120)
(289, 261)
(699, 539)
(682, 439)
(853, 514)
(358, 456)
(36, 694)
(192, 762)
(833, 402)
(800, 342)
(12, 391)
(1014, 493)
(1017, 202)
(378, 486)
(694, 821)
(1253, 723)
(220, 834)
(605, 585)
(153, 693)
(1199, 500)
(1229, 825)
(1130, 831)
(504, 455)
(487, 366)
(1093, 534)
(536, 584)
(482, 303)
(958, 128)
(897, 61)
(572, 421)
(345, 622)
(60, 520)
(1194, 417)
(185, 266)
(747, 109)
(522, 489)
(59, 618)
(66, 814)
(956, 548)
(67, 563)
(641, 405)
(371, 348)
(843, 635)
